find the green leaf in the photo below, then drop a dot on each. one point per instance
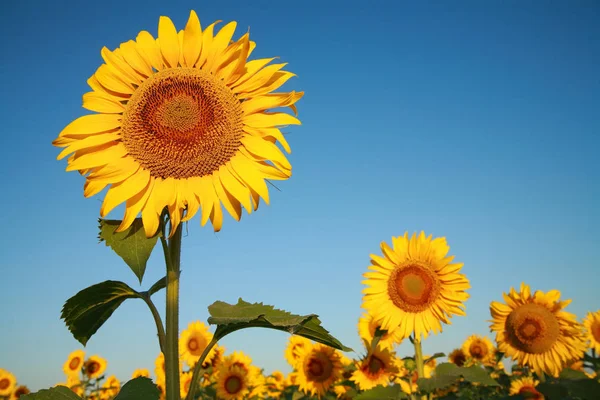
(160, 284)
(232, 317)
(552, 391)
(569, 373)
(382, 393)
(479, 375)
(436, 382)
(447, 373)
(89, 309)
(131, 245)
(139, 389)
(55, 393)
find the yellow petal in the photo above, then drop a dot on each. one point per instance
(150, 218)
(111, 81)
(91, 124)
(134, 205)
(148, 49)
(266, 133)
(192, 40)
(123, 70)
(169, 43)
(164, 194)
(92, 188)
(267, 120)
(265, 151)
(132, 56)
(117, 171)
(97, 87)
(175, 208)
(124, 190)
(235, 187)
(90, 141)
(218, 45)
(207, 38)
(101, 103)
(247, 173)
(233, 66)
(231, 204)
(258, 79)
(216, 216)
(97, 156)
(252, 67)
(269, 101)
(278, 79)
(190, 198)
(206, 193)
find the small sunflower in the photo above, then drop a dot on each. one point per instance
(110, 388)
(193, 341)
(479, 348)
(232, 382)
(94, 367)
(160, 368)
(414, 286)
(74, 383)
(182, 121)
(526, 388)
(258, 383)
(239, 359)
(186, 382)
(591, 324)
(535, 331)
(216, 359)
(295, 345)
(140, 372)
(20, 391)
(8, 382)
(458, 357)
(376, 369)
(367, 325)
(319, 366)
(72, 367)
(275, 384)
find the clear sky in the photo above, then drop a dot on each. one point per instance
(477, 121)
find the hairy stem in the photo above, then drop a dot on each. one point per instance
(157, 320)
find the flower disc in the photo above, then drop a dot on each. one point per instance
(479, 348)
(319, 367)
(376, 369)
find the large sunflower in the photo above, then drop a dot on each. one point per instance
(591, 324)
(72, 367)
(193, 341)
(479, 348)
(534, 331)
(319, 366)
(414, 286)
(375, 369)
(94, 367)
(367, 325)
(182, 121)
(8, 382)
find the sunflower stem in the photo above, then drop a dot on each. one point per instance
(197, 368)
(172, 259)
(419, 361)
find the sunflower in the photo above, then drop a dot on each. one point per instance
(216, 358)
(414, 286)
(72, 367)
(526, 388)
(591, 324)
(111, 388)
(295, 345)
(408, 379)
(193, 341)
(74, 383)
(479, 348)
(375, 369)
(239, 359)
(257, 383)
(275, 384)
(140, 372)
(182, 121)
(94, 367)
(367, 325)
(20, 391)
(458, 357)
(319, 366)
(534, 331)
(8, 382)
(232, 382)
(186, 382)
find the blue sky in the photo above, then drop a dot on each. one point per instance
(477, 121)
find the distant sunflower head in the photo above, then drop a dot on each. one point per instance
(375, 369)
(526, 388)
(185, 380)
(367, 326)
(20, 391)
(143, 372)
(414, 286)
(232, 382)
(72, 367)
(318, 368)
(111, 387)
(458, 357)
(8, 382)
(182, 121)
(480, 349)
(216, 359)
(591, 324)
(239, 359)
(295, 345)
(535, 331)
(94, 367)
(193, 341)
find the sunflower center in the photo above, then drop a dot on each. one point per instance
(233, 384)
(193, 344)
(478, 350)
(413, 287)
(596, 330)
(4, 384)
(375, 365)
(529, 392)
(22, 390)
(318, 368)
(74, 364)
(532, 328)
(92, 367)
(181, 123)
(458, 358)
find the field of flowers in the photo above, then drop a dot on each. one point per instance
(183, 126)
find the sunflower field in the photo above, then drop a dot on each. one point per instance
(183, 126)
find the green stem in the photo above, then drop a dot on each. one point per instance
(419, 361)
(172, 259)
(542, 377)
(196, 376)
(159, 324)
